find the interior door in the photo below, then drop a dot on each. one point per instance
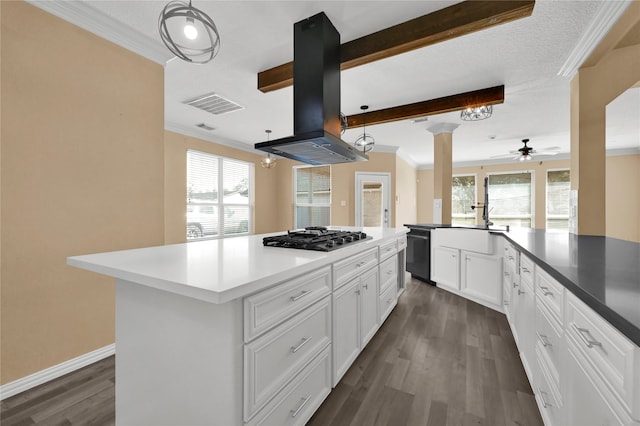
(373, 204)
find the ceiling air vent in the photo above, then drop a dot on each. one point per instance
(214, 104)
(205, 127)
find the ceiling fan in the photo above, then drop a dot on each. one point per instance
(525, 153)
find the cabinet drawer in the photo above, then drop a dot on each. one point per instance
(301, 398)
(549, 342)
(402, 243)
(270, 307)
(613, 356)
(388, 273)
(273, 359)
(345, 270)
(387, 302)
(551, 293)
(547, 394)
(388, 249)
(527, 268)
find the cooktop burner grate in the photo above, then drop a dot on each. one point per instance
(316, 238)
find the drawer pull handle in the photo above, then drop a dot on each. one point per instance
(453, 255)
(390, 271)
(357, 291)
(301, 406)
(303, 294)
(505, 303)
(583, 332)
(366, 286)
(545, 404)
(543, 339)
(360, 264)
(515, 285)
(521, 292)
(506, 274)
(510, 257)
(525, 270)
(545, 291)
(389, 301)
(295, 349)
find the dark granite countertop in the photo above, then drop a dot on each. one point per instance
(603, 272)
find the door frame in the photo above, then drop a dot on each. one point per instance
(385, 179)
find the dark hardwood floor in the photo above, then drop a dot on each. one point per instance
(437, 360)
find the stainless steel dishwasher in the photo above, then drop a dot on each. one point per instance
(419, 254)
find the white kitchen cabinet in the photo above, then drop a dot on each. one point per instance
(523, 298)
(445, 267)
(588, 399)
(480, 277)
(355, 320)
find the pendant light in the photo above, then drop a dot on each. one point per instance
(188, 32)
(268, 162)
(365, 142)
(476, 113)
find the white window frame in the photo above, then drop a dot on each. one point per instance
(546, 197)
(533, 191)
(220, 204)
(295, 198)
(475, 193)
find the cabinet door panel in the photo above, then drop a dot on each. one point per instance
(445, 268)
(368, 306)
(346, 339)
(481, 277)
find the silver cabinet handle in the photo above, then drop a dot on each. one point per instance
(389, 301)
(295, 349)
(295, 411)
(510, 257)
(304, 293)
(545, 404)
(583, 332)
(360, 264)
(390, 271)
(366, 286)
(521, 292)
(543, 339)
(524, 269)
(506, 274)
(515, 285)
(506, 302)
(453, 255)
(545, 291)
(357, 291)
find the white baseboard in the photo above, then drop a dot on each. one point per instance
(48, 374)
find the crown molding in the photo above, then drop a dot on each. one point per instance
(85, 16)
(209, 137)
(602, 22)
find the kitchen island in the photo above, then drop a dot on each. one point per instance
(229, 332)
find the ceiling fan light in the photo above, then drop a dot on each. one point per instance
(476, 113)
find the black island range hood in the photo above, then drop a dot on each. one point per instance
(316, 98)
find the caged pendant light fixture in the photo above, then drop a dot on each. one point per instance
(188, 32)
(268, 162)
(476, 113)
(365, 142)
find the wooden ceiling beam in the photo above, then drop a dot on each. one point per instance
(489, 96)
(445, 24)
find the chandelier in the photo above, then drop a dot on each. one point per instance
(268, 161)
(365, 142)
(476, 113)
(188, 32)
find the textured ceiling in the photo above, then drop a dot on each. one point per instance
(524, 55)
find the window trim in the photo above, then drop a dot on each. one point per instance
(546, 197)
(533, 190)
(475, 194)
(294, 187)
(220, 205)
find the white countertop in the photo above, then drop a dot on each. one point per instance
(218, 271)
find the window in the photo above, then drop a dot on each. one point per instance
(463, 196)
(558, 187)
(510, 199)
(312, 195)
(218, 196)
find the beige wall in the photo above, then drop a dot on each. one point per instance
(424, 196)
(406, 203)
(82, 172)
(266, 212)
(623, 197)
(612, 68)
